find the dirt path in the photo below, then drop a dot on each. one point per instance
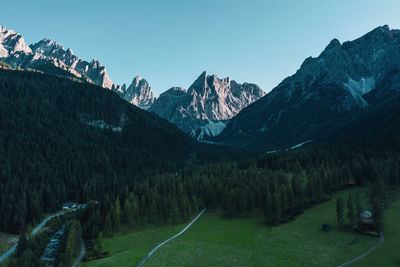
(169, 239)
(83, 251)
(365, 253)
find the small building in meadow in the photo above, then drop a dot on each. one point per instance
(366, 217)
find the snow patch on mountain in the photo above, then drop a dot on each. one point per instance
(359, 88)
(212, 128)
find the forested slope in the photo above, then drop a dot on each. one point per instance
(62, 140)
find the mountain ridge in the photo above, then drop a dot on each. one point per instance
(203, 110)
(322, 93)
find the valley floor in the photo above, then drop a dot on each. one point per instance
(214, 241)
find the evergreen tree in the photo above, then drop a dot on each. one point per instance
(28, 259)
(377, 215)
(350, 211)
(358, 206)
(276, 208)
(99, 242)
(73, 241)
(128, 213)
(22, 244)
(117, 214)
(340, 212)
(108, 224)
(268, 208)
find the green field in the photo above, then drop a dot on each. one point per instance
(127, 249)
(213, 241)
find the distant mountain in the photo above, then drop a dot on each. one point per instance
(15, 52)
(138, 93)
(326, 94)
(204, 109)
(209, 103)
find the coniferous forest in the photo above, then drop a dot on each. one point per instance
(62, 140)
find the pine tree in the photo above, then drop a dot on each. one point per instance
(276, 208)
(268, 208)
(108, 224)
(128, 213)
(28, 259)
(358, 206)
(377, 215)
(22, 244)
(350, 211)
(339, 212)
(117, 214)
(135, 209)
(99, 242)
(73, 241)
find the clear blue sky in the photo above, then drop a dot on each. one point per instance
(170, 42)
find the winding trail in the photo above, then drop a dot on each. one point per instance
(169, 239)
(365, 253)
(37, 229)
(83, 251)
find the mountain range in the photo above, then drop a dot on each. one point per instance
(202, 111)
(328, 94)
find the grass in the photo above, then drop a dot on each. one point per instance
(214, 241)
(127, 249)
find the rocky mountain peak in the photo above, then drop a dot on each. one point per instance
(205, 108)
(13, 42)
(47, 47)
(14, 51)
(334, 44)
(95, 63)
(138, 93)
(200, 82)
(344, 78)
(70, 52)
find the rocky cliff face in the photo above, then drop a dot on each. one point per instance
(204, 109)
(15, 52)
(138, 93)
(325, 90)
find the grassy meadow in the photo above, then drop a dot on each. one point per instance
(247, 241)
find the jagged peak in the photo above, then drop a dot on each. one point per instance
(378, 31)
(201, 79)
(3, 29)
(384, 28)
(138, 80)
(49, 42)
(69, 51)
(333, 44)
(96, 63)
